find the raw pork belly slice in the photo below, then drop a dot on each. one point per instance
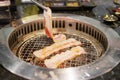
(48, 22)
(47, 51)
(48, 27)
(56, 60)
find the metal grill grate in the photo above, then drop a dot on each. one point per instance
(25, 51)
(30, 37)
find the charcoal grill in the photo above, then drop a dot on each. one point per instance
(99, 41)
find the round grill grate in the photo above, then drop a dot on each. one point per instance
(25, 51)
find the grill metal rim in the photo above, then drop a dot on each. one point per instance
(75, 25)
(94, 69)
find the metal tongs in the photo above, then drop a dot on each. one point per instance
(40, 5)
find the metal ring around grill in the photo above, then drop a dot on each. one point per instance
(82, 27)
(90, 37)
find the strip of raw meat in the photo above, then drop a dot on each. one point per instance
(56, 60)
(48, 26)
(48, 22)
(47, 51)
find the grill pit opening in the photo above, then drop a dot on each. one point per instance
(30, 37)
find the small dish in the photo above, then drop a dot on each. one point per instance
(117, 14)
(110, 18)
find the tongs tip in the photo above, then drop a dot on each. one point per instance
(40, 5)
